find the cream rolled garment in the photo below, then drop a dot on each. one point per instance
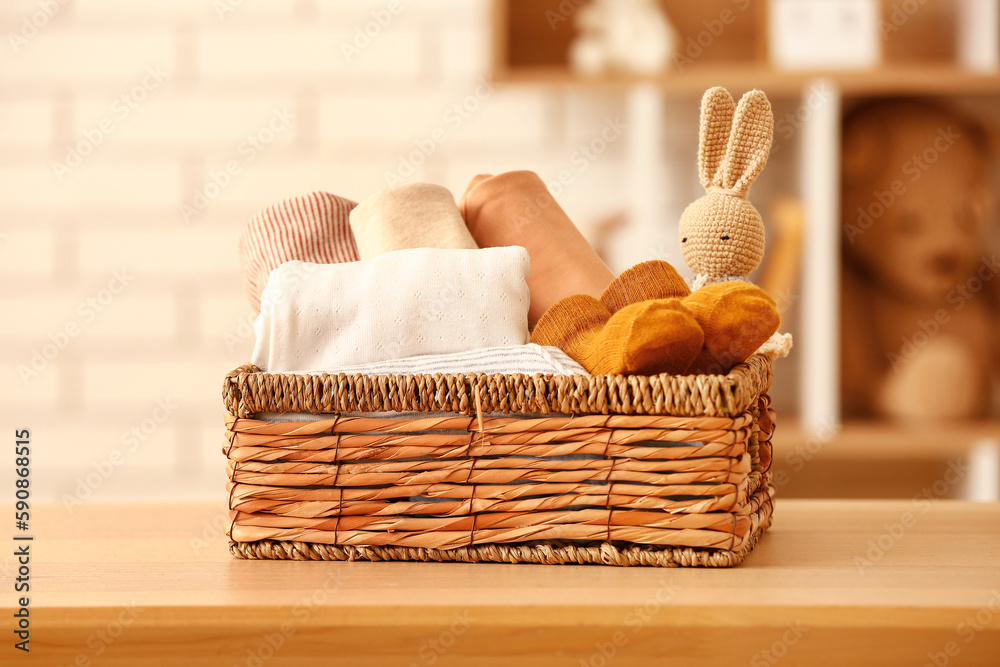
(417, 215)
(406, 303)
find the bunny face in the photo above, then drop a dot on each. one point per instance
(722, 235)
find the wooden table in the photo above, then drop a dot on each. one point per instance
(833, 582)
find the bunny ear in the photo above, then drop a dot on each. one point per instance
(716, 122)
(749, 143)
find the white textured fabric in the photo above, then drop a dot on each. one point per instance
(401, 304)
(777, 346)
(701, 280)
(524, 359)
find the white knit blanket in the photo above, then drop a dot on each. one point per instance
(407, 303)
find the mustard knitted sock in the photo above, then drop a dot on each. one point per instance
(640, 339)
(736, 318)
(654, 279)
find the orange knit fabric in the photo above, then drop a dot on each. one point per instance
(654, 279)
(644, 338)
(736, 318)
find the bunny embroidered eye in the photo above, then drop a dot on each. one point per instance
(723, 238)
(684, 240)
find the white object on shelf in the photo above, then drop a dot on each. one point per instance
(622, 35)
(983, 483)
(819, 341)
(646, 170)
(978, 41)
(824, 34)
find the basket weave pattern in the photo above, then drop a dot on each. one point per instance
(659, 470)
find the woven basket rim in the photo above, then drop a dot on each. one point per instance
(247, 391)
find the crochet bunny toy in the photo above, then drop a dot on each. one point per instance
(648, 320)
(722, 234)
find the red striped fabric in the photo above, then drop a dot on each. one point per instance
(312, 228)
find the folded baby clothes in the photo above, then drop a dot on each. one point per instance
(401, 304)
(311, 228)
(516, 208)
(645, 338)
(418, 215)
(527, 359)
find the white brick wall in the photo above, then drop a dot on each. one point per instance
(64, 56)
(205, 12)
(196, 249)
(317, 55)
(27, 254)
(95, 182)
(185, 120)
(97, 315)
(21, 387)
(26, 123)
(182, 321)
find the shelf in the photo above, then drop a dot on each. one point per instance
(860, 440)
(531, 40)
(897, 80)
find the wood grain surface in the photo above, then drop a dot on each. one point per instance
(833, 582)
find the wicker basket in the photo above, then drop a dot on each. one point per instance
(660, 470)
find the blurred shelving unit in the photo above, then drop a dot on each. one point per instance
(942, 48)
(891, 80)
